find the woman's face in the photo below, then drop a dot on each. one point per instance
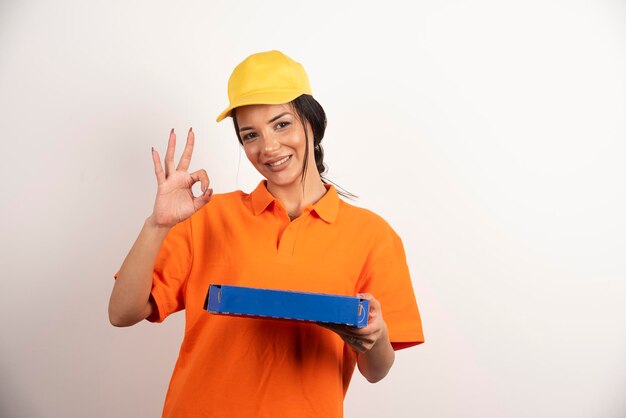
(274, 141)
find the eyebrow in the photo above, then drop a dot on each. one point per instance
(247, 128)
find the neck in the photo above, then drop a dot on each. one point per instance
(294, 197)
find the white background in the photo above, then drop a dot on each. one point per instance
(490, 134)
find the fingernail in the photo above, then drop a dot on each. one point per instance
(172, 131)
(190, 130)
(152, 149)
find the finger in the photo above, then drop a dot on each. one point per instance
(358, 344)
(354, 337)
(202, 177)
(347, 331)
(362, 333)
(374, 304)
(158, 168)
(365, 333)
(185, 159)
(169, 154)
(203, 199)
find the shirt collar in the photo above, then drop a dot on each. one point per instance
(261, 198)
(327, 207)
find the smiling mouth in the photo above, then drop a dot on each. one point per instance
(279, 162)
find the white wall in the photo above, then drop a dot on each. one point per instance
(490, 134)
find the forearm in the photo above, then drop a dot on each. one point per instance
(376, 363)
(129, 299)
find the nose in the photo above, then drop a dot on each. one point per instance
(270, 143)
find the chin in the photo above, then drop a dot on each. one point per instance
(282, 181)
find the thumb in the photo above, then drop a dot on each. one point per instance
(203, 199)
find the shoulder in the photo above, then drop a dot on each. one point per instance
(370, 222)
(361, 215)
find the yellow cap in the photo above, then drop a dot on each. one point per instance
(265, 78)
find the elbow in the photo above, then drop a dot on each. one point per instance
(376, 372)
(125, 314)
(116, 321)
(373, 375)
(119, 320)
(376, 378)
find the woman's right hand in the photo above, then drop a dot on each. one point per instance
(175, 201)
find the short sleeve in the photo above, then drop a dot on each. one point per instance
(171, 271)
(387, 278)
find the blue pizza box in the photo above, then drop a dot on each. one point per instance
(286, 304)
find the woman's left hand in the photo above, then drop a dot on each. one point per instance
(363, 339)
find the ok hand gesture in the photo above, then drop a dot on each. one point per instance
(175, 201)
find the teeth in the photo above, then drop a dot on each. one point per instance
(280, 161)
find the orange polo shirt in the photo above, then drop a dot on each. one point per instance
(250, 367)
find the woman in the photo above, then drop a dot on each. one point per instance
(293, 233)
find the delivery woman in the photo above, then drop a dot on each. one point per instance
(292, 232)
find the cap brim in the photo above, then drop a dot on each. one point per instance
(274, 97)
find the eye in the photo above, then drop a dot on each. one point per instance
(248, 137)
(282, 124)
